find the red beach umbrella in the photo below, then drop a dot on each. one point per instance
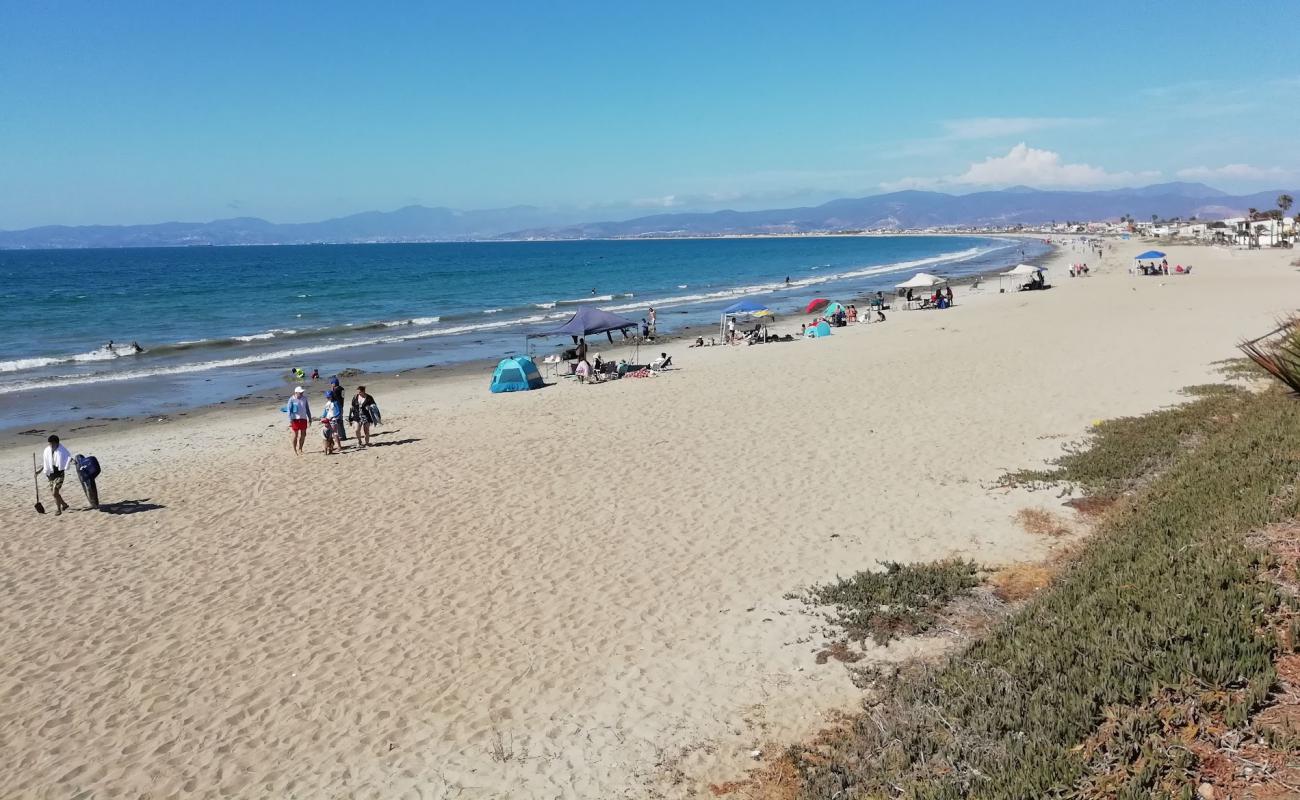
(816, 305)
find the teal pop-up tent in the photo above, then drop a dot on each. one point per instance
(516, 374)
(818, 330)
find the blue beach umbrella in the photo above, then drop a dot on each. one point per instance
(1150, 254)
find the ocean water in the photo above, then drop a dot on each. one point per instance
(216, 322)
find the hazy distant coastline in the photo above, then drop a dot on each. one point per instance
(981, 212)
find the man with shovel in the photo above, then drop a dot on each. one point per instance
(55, 461)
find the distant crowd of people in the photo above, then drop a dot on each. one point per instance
(1162, 268)
(939, 298)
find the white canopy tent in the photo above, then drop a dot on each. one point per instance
(1026, 271)
(922, 280)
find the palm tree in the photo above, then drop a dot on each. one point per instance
(1284, 202)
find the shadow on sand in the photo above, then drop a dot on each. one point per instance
(129, 506)
(394, 442)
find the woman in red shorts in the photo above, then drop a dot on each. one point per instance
(299, 418)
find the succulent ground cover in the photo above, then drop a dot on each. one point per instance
(1159, 641)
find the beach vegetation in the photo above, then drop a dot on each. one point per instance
(1122, 454)
(1041, 522)
(1155, 640)
(900, 600)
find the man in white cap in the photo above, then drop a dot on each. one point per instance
(299, 418)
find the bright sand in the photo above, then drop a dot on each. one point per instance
(585, 581)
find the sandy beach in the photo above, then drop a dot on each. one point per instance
(573, 592)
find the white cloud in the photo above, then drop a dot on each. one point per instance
(1028, 166)
(1233, 172)
(994, 127)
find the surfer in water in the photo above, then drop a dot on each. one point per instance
(136, 349)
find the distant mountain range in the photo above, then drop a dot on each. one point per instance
(918, 209)
(893, 211)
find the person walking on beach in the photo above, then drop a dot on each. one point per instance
(54, 463)
(336, 394)
(651, 317)
(330, 422)
(299, 418)
(360, 415)
(582, 354)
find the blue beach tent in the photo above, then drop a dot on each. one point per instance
(817, 331)
(1152, 254)
(516, 374)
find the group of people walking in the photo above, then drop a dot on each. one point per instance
(362, 414)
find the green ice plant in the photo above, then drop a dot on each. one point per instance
(1160, 621)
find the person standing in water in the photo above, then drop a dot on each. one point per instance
(299, 418)
(54, 463)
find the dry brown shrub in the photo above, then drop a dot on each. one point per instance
(777, 779)
(1092, 505)
(1019, 581)
(1042, 523)
(840, 652)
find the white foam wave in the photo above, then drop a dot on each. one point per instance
(398, 323)
(28, 363)
(493, 310)
(271, 334)
(543, 305)
(286, 355)
(19, 364)
(595, 298)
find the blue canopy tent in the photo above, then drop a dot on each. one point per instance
(516, 374)
(1150, 255)
(589, 320)
(745, 307)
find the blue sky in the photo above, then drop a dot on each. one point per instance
(128, 112)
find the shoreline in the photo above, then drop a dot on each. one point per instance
(455, 369)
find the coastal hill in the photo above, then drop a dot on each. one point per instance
(892, 211)
(923, 209)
